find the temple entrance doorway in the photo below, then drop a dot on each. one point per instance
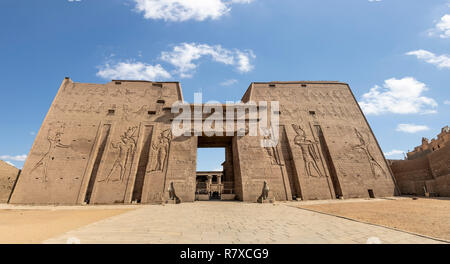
(215, 173)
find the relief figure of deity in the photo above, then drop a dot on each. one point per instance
(126, 148)
(161, 149)
(272, 151)
(363, 145)
(309, 152)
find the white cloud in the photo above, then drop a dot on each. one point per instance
(442, 27)
(441, 61)
(394, 152)
(228, 82)
(183, 56)
(241, 1)
(398, 96)
(447, 102)
(411, 128)
(133, 71)
(374, 1)
(15, 158)
(243, 60)
(182, 10)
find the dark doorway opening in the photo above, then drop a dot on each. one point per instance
(371, 194)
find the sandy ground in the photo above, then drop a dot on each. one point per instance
(429, 217)
(34, 226)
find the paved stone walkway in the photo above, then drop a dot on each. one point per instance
(231, 222)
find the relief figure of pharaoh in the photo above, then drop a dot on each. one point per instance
(54, 141)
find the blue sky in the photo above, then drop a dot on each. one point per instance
(393, 53)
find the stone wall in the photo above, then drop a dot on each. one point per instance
(112, 143)
(8, 176)
(430, 173)
(428, 146)
(326, 144)
(97, 139)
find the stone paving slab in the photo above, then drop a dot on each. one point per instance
(232, 222)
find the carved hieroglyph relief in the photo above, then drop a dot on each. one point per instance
(363, 145)
(54, 141)
(122, 164)
(310, 152)
(159, 196)
(162, 150)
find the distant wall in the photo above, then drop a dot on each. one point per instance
(431, 173)
(8, 176)
(428, 147)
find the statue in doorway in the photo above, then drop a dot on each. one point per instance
(264, 193)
